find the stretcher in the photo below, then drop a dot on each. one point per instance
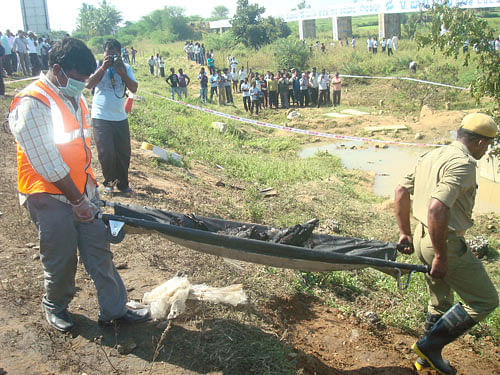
(323, 252)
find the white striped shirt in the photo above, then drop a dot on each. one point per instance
(31, 125)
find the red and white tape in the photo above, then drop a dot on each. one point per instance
(407, 79)
(293, 130)
(21, 80)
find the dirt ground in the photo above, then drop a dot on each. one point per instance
(317, 339)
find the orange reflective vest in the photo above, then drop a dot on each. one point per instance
(73, 146)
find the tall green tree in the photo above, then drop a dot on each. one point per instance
(251, 29)
(97, 21)
(451, 28)
(220, 12)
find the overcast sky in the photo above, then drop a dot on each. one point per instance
(63, 13)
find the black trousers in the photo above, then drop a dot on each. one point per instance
(273, 99)
(336, 97)
(246, 103)
(314, 95)
(213, 90)
(229, 95)
(255, 105)
(112, 140)
(36, 65)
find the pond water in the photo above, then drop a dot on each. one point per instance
(391, 164)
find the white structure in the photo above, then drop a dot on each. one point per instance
(342, 27)
(221, 25)
(307, 29)
(35, 16)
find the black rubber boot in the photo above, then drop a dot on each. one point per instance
(421, 364)
(448, 328)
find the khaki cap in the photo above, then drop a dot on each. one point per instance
(481, 124)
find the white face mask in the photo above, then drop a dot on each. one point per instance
(73, 88)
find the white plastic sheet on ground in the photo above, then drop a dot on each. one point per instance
(168, 300)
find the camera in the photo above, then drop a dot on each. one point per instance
(117, 60)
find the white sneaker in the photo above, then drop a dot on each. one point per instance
(108, 190)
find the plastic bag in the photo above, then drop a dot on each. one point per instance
(168, 300)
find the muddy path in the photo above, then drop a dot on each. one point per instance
(207, 339)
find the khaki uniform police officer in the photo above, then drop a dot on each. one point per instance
(443, 186)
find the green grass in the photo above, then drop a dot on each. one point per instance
(256, 158)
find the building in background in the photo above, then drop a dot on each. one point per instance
(35, 16)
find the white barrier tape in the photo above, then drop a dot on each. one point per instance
(407, 79)
(21, 80)
(294, 130)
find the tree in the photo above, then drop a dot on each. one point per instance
(303, 5)
(220, 12)
(251, 29)
(93, 21)
(452, 28)
(290, 53)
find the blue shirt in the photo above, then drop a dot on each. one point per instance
(109, 102)
(5, 44)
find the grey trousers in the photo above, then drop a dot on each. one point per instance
(60, 236)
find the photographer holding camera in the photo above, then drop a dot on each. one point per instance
(109, 119)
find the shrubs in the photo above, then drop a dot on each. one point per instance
(290, 53)
(219, 41)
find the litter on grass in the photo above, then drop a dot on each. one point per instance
(168, 300)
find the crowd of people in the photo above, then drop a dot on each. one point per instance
(281, 89)
(58, 188)
(389, 44)
(24, 52)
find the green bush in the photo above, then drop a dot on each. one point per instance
(219, 41)
(290, 53)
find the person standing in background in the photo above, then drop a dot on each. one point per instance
(221, 87)
(132, 53)
(13, 55)
(314, 86)
(304, 90)
(395, 42)
(263, 89)
(323, 81)
(202, 55)
(283, 90)
(157, 65)
(184, 81)
(162, 67)
(254, 96)
(211, 64)
(109, 119)
(227, 86)
(5, 60)
(33, 54)
(337, 88)
(202, 77)
(173, 81)
(214, 79)
(272, 86)
(245, 88)
(151, 64)
(389, 47)
(45, 53)
(20, 46)
(235, 79)
(242, 75)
